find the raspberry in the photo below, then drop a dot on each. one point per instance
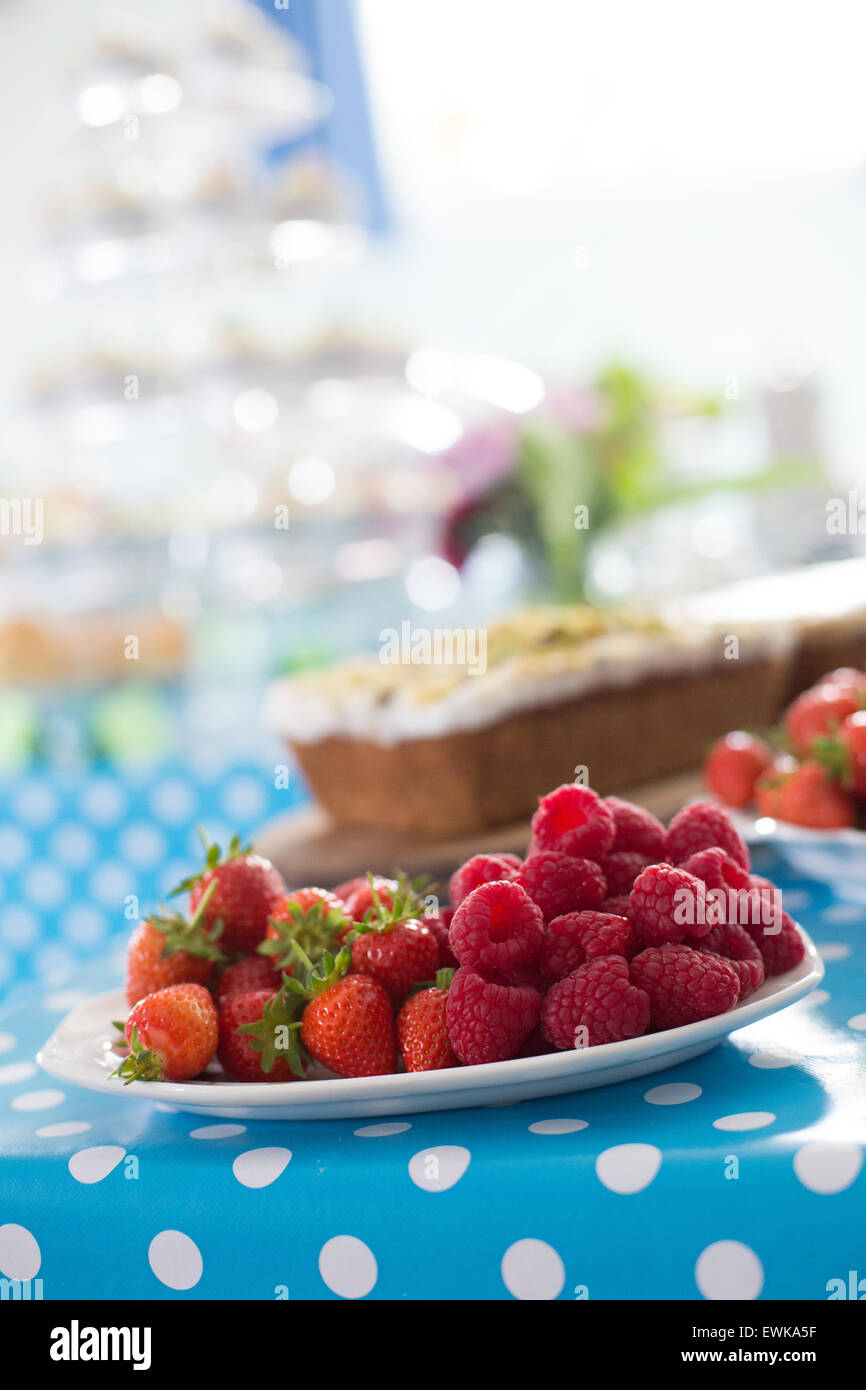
(481, 868)
(667, 904)
(579, 936)
(622, 868)
(595, 1004)
(701, 826)
(716, 869)
(489, 1021)
(734, 943)
(684, 985)
(498, 927)
(637, 830)
(619, 906)
(780, 944)
(561, 883)
(574, 820)
(439, 923)
(536, 1044)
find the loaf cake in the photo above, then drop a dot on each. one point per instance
(441, 748)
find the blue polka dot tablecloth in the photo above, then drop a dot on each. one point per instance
(738, 1174)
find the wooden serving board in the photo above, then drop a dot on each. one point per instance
(309, 848)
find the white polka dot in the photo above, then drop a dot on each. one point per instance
(243, 799)
(7, 1042)
(38, 1100)
(833, 950)
(858, 1023)
(16, 1071)
(83, 925)
(557, 1126)
(748, 1119)
(20, 1256)
(348, 1266)
(843, 913)
(5, 966)
(45, 885)
(59, 1000)
(175, 1260)
(110, 883)
(772, 1059)
(260, 1167)
(54, 965)
(14, 847)
(628, 1168)
(817, 996)
(673, 1093)
(435, 1170)
(173, 802)
(73, 845)
(95, 1164)
(532, 1270)
(729, 1269)
(166, 1109)
(36, 803)
(827, 1165)
(19, 926)
(103, 802)
(797, 900)
(217, 1131)
(382, 1131)
(143, 844)
(64, 1129)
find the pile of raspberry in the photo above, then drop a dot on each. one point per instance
(611, 927)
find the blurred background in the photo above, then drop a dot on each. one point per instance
(323, 315)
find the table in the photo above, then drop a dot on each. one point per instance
(736, 1174)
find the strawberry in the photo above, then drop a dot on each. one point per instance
(258, 1036)
(733, 766)
(397, 954)
(422, 1034)
(251, 973)
(845, 754)
(810, 797)
(172, 1035)
(820, 711)
(248, 889)
(348, 1024)
(768, 788)
(363, 897)
(311, 918)
(168, 950)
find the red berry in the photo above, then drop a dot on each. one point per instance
(560, 883)
(638, 831)
(422, 1031)
(312, 917)
(734, 943)
(596, 1003)
(820, 711)
(780, 943)
(148, 970)
(810, 797)
(363, 900)
(251, 973)
(667, 904)
(701, 826)
(620, 906)
(440, 924)
(238, 1056)
(579, 936)
(497, 928)
(489, 1021)
(172, 1035)
(481, 868)
(349, 1028)
(852, 743)
(684, 985)
(574, 820)
(716, 869)
(248, 889)
(398, 955)
(621, 868)
(733, 766)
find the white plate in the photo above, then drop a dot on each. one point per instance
(79, 1050)
(830, 856)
